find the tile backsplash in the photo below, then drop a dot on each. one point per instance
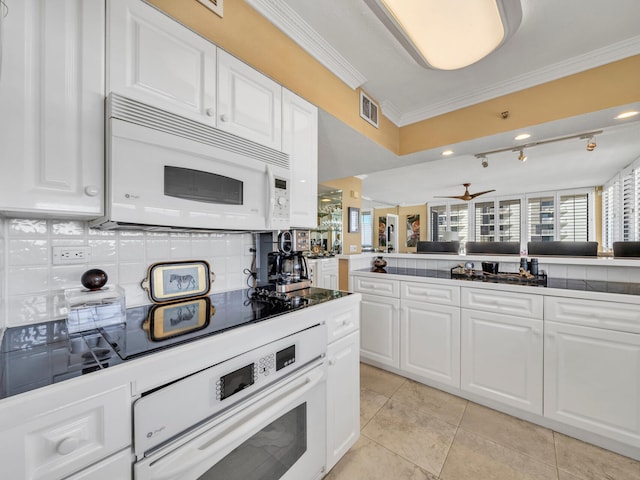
(32, 288)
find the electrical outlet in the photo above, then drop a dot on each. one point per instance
(249, 250)
(71, 255)
(353, 248)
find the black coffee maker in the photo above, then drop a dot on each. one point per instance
(287, 267)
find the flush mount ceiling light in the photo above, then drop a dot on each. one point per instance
(451, 34)
(446, 153)
(522, 136)
(626, 115)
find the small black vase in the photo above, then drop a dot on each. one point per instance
(94, 279)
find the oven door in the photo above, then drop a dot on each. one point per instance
(279, 436)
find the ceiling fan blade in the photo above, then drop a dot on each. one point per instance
(460, 197)
(474, 195)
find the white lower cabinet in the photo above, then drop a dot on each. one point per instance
(592, 380)
(69, 428)
(501, 358)
(343, 391)
(116, 467)
(430, 341)
(380, 330)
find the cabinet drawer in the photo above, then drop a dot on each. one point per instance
(117, 466)
(430, 292)
(342, 319)
(624, 317)
(67, 435)
(377, 286)
(520, 304)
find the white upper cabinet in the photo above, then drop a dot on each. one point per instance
(154, 59)
(52, 108)
(300, 141)
(249, 103)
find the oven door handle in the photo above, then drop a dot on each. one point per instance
(219, 441)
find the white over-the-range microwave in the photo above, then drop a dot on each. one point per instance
(167, 172)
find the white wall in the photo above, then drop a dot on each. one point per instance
(32, 289)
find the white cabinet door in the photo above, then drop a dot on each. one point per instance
(343, 397)
(430, 341)
(52, 108)
(501, 358)
(300, 141)
(592, 380)
(249, 103)
(328, 274)
(380, 330)
(154, 59)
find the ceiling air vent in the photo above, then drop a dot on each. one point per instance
(213, 5)
(369, 109)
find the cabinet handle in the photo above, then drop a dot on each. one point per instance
(67, 445)
(210, 112)
(332, 362)
(224, 117)
(345, 322)
(91, 190)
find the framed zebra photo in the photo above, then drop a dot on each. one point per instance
(171, 281)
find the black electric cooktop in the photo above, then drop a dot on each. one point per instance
(37, 355)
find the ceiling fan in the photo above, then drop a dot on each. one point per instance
(467, 196)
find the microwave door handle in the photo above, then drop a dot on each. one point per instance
(213, 449)
(270, 199)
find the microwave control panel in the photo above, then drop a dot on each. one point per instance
(280, 217)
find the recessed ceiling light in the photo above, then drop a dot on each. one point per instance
(446, 153)
(627, 115)
(522, 136)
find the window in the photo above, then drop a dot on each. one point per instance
(454, 218)
(510, 220)
(367, 228)
(574, 218)
(621, 207)
(541, 219)
(485, 222)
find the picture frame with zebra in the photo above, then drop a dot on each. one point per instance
(169, 281)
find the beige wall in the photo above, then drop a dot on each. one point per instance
(403, 213)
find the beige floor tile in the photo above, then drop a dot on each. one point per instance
(510, 432)
(370, 403)
(432, 401)
(412, 434)
(380, 381)
(473, 457)
(367, 460)
(562, 475)
(589, 462)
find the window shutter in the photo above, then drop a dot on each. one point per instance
(541, 219)
(459, 220)
(485, 221)
(574, 218)
(510, 218)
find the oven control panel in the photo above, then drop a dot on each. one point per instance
(167, 411)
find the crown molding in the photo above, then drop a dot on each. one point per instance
(390, 111)
(593, 59)
(292, 25)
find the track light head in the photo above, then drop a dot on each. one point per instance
(485, 161)
(522, 157)
(591, 144)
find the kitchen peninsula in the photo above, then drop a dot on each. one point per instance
(565, 355)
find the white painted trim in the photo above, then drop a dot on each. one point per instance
(292, 25)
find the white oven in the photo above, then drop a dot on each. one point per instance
(258, 416)
(164, 171)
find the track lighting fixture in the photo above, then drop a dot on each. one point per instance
(589, 136)
(522, 157)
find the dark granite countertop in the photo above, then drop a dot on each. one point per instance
(623, 288)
